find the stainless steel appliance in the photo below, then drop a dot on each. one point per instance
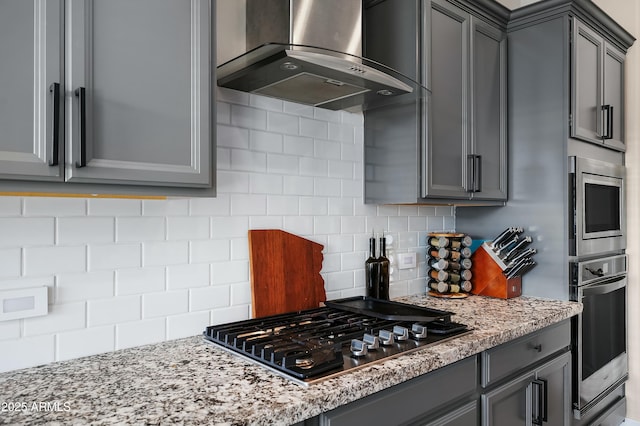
(597, 207)
(309, 51)
(599, 337)
(316, 344)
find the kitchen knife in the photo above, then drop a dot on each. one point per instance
(521, 269)
(523, 242)
(521, 254)
(515, 266)
(504, 246)
(501, 237)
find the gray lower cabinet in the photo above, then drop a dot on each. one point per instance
(447, 393)
(539, 396)
(123, 95)
(452, 146)
(598, 88)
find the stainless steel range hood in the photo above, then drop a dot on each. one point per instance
(309, 52)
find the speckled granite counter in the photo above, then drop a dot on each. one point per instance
(188, 381)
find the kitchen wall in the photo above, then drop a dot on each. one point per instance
(125, 272)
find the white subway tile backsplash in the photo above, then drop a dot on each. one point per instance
(248, 161)
(61, 317)
(127, 272)
(90, 341)
(165, 303)
(206, 251)
(131, 229)
(247, 117)
(166, 207)
(211, 297)
(219, 206)
(188, 228)
(262, 183)
(138, 333)
(54, 260)
(191, 324)
(165, 253)
(265, 141)
(114, 310)
(232, 137)
(283, 123)
(316, 129)
(230, 272)
(298, 145)
(278, 205)
(10, 206)
(114, 207)
(188, 276)
(140, 280)
(49, 206)
(244, 205)
(10, 263)
(9, 330)
(228, 227)
(326, 149)
(82, 230)
(24, 232)
(114, 256)
(84, 286)
(26, 352)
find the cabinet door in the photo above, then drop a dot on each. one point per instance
(30, 43)
(553, 388)
(588, 48)
(143, 69)
(446, 168)
(613, 86)
(489, 109)
(509, 404)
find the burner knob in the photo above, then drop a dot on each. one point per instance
(401, 333)
(358, 348)
(386, 338)
(419, 331)
(371, 341)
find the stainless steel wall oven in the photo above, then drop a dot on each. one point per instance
(597, 207)
(600, 333)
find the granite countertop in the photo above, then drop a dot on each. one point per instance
(192, 382)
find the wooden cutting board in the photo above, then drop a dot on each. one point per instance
(285, 272)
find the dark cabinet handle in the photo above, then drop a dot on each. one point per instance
(610, 122)
(54, 89)
(82, 112)
(540, 415)
(474, 181)
(607, 125)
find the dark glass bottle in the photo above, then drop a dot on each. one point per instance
(371, 267)
(383, 279)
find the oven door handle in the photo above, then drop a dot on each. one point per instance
(605, 287)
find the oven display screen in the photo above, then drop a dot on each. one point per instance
(602, 208)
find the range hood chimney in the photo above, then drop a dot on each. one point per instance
(309, 52)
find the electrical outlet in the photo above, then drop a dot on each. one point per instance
(407, 260)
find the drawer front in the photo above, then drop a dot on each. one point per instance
(509, 358)
(410, 400)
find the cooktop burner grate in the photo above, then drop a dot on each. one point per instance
(318, 343)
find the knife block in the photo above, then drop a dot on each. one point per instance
(488, 279)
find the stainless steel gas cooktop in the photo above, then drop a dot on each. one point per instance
(347, 334)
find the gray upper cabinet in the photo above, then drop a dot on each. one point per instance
(135, 101)
(30, 77)
(452, 147)
(468, 145)
(598, 88)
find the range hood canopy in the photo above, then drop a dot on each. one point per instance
(328, 74)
